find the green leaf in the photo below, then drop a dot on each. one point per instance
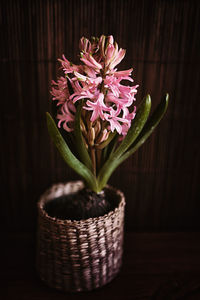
(149, 127)
(68, 156)
(136, 127)
(138, 123)
(80, 146)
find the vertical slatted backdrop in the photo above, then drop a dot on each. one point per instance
(162, 38)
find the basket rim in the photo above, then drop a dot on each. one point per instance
(45, 198)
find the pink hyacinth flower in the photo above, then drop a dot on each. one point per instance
(89, 60)
(118, 58)
(85, 45)
(60, 92)
(66, 116)
(98, 82)
(97, 107)
(115, 121)
(69, 67)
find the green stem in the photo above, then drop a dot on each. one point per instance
(93, 158)
(98, 156)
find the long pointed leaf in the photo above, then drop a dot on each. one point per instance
(68, 156)
(137, 125)
(81, 148)
(132, 134)
(149, 127)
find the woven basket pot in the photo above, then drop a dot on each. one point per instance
(79, 255)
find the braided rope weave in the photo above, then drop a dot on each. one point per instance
(79, 255)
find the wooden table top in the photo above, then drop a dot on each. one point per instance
(155, 266)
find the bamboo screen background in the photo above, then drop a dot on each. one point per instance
(162, 38)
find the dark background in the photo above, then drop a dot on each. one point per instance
(162, 38)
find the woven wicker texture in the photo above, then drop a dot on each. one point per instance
(79, 255)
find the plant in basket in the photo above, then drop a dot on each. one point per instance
(95, 128)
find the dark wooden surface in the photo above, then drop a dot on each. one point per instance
(156, 266)
(162, 38)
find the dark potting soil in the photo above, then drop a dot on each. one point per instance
(82, 205)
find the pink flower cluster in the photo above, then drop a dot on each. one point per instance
(97, 81)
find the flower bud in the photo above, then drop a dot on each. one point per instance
(83, 129)
(102, 136)
(84, 140)
(89, 123)
(84, 45)
(110, 39)
(97, 128)
(102, 45)
(91, 136)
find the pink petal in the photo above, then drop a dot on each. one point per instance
(118, 58)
